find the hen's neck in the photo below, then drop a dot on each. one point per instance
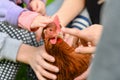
(60, 46)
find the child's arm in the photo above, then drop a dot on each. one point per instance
(13, 14)
(36, 57)
(9, 11)
(69, 10)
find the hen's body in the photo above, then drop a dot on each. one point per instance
(70, 63)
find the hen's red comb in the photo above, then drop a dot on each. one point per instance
(57, 22)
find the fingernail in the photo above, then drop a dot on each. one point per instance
(77, 50)
(52, 59)
(54, 77)
(56, 69)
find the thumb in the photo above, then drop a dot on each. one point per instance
(38, 33)
(33, 7)
(85, 49)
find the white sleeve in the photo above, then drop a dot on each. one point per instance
(8, 47)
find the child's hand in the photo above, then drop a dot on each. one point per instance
(39, 60)
(38, 24)
(33, 21)
(39, 64)
(71, 40)
(38, 6)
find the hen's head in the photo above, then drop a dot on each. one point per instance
(51, 33)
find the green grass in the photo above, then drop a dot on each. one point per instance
(22, 73)
(49, 1)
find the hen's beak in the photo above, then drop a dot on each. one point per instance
(60, 34)
(55, 38)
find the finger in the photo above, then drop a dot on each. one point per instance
(85, 49)
(75, 42)
(37, 25)
(39, 76)
(41, 21)
(46, 73)
(70, 40)
(38, 33)
(75, 32)
(34, 7)
(43, 12)
(72, 31)
(48, 57)
(66, 37)
(47, 20)
(41, 9)
(48, 66)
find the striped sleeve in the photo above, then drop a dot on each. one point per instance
(81, 21)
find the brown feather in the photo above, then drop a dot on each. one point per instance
(70, 63)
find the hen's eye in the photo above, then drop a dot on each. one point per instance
(50, 29)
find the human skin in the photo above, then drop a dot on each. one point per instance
(38, 6)
(37, 58)
(69, 10)
(90, 34)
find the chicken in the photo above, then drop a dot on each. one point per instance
(70, 63)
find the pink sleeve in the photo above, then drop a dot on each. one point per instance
(26, 18)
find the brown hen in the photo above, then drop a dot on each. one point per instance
(70, 63)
